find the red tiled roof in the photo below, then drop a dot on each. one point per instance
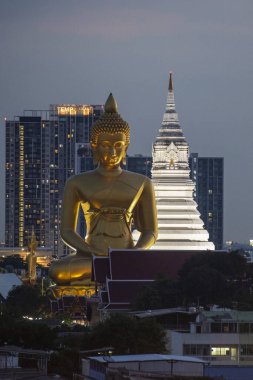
(126, 272)
(138, 264)
(146, 264)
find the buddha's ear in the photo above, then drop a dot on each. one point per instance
(124, 160)
(124, 157)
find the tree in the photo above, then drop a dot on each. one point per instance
(205, 285)
(26, 333)
(232, 265)
(25, 300)
(216, 278)
(126, 335)
(206, 278)
(149, 337)
(64, 362)
(162, 293)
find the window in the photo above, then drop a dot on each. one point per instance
(244, 328)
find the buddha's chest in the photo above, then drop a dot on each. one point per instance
(111, 194)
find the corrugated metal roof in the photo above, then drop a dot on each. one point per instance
(7, 282)
(145, 358)
(159, 312)
(17, 349)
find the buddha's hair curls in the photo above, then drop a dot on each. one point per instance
(110, 122)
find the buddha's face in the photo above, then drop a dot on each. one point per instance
(111, 149)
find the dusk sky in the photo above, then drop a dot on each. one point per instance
(79, 51)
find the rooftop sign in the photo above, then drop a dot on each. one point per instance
(66, 109)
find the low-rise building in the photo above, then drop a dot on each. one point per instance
(246, 249)
(219, 337)
(99, 367)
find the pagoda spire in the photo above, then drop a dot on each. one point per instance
(170, 115)
(170, 82)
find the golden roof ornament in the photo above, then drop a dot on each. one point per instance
(110, 122)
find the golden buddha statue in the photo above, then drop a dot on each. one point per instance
(112, 200)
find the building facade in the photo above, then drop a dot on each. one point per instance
(219, 337)
(208, 175)
(70, 126)
(139, 164)
(41, 154)
(145, 366)
(27, 181)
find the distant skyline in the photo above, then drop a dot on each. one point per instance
(80, 51)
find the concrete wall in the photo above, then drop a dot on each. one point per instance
(230, 372)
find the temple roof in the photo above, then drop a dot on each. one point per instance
(125, 273)
(141, 264)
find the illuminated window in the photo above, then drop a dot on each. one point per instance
(224, 351)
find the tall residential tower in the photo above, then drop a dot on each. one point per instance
(27, 200)
(42, 150)
(208, 175)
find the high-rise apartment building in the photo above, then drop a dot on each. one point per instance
(41, 154)
(208, 174)
(27, 181)
(70, 126)
(139, 164)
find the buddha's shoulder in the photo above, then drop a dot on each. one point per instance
(79, 178)
(133, 177)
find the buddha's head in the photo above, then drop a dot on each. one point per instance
(110, 137)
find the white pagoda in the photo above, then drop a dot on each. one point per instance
(179, 224)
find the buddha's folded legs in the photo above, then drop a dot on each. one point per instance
(71, 268)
